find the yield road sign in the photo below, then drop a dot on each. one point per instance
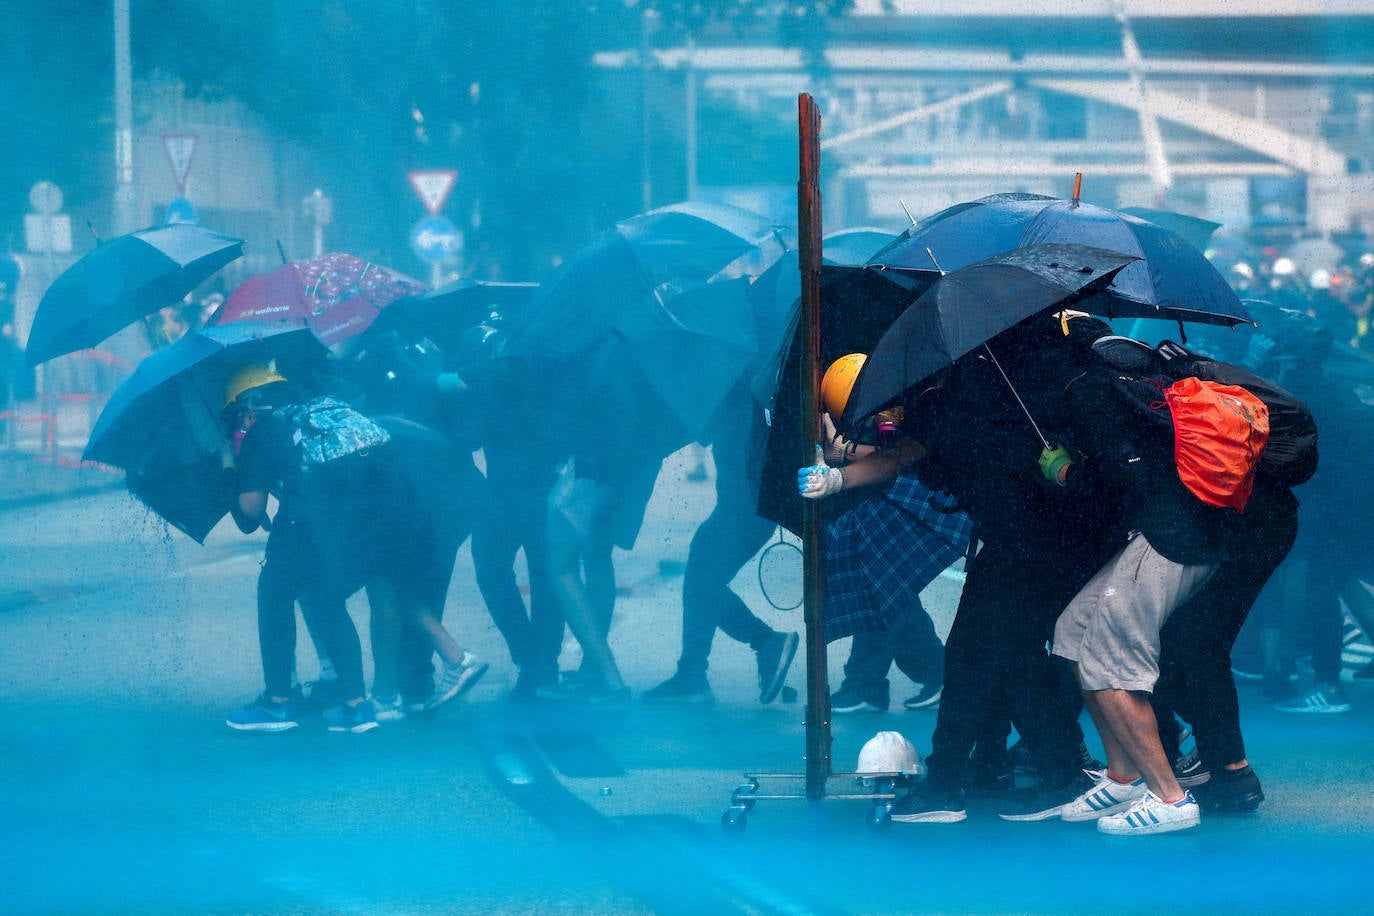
(181, 149)
(433, 187)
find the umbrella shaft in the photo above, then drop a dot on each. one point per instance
(1039, 435)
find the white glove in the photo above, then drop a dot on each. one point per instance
(819, 480)
(838, 449)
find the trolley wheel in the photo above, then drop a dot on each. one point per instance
(735, 819)
(742, 797)
(880, 816)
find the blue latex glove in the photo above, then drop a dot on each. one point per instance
(819, 480)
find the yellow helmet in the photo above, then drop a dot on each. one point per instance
(839, 381)
(252, 375)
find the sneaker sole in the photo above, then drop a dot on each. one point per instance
(1196, 779)
(1315, 710)
(262, 726)
(1079, 817)
(359, 729)
(866, 707)
(691, 699)
(1121, 828)
(465, 683)
(931, 817)
(922, 704)
(789, 652)
(1247, 805)
(1047, 814)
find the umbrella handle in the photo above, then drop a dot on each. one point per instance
(1077, 184)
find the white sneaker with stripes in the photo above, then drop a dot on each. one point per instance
(1106, 797)
(1150, 815)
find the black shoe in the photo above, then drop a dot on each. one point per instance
(1278, 686)
(849, 699)
(680, 689)
(586, 693)
(321, 695)
(1020, 757)
(527, 682)
(775, 657)
(1043, 802)
(1230, 792)
(1190, 771)
(982, 784)
(924, 805)
(927, 696)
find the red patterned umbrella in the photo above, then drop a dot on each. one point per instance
(335, 295)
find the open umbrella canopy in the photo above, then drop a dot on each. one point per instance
(444, 313)
(966, 308)
(162, 426)
(669, 248)
(1171, 279)
(336, 295)
(121, 281)
(857, 305)
(856, 245)
(694, 347)
(867, 298)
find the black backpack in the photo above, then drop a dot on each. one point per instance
(1290, 457)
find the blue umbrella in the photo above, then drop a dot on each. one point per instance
(1171, 280)
(632, 266)
(121, 281)
(162, 426)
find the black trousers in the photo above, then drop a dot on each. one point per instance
(291, 571)
(1195, 678)
(911, 642)
(728, 539)
(997, 663)
(513, 516)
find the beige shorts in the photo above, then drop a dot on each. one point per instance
(1111, 627)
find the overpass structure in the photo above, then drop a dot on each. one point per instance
(1258, 114)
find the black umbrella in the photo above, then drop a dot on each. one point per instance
(1171, 278)
(123, 280)
(965, 309)
(444, 313)
(162, 426)
(633, 266)
(857, 304)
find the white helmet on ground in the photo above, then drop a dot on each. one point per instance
(889, 752)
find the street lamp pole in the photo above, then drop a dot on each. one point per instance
(124, 217)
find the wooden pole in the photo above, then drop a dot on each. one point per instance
(813, 529)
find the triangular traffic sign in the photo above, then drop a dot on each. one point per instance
(181, 148)
(433, 187)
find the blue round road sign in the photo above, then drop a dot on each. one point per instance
(434, 238)
(180, 210)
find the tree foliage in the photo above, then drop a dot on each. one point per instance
(505, 92)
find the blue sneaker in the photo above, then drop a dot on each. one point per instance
(355, 719)
(263, 715)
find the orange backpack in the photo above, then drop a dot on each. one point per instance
(1219, 434)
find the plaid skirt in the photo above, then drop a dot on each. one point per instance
(882, 553)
